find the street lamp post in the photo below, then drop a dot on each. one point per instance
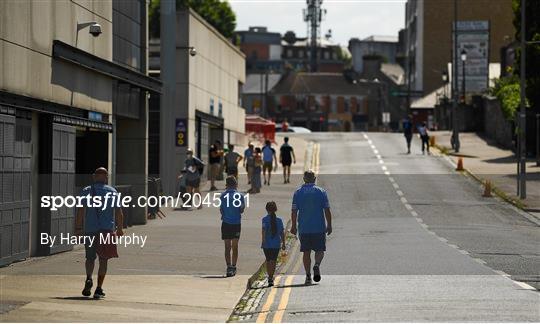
(463, 61)
(522, 122)
(455, 118)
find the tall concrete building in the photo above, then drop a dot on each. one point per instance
(72, 97)
(428, 34)
(205, 102)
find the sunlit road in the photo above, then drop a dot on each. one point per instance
(413, 241)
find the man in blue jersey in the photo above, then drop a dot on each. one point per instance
(98, 221)
(232, 206)
(268, 155)
(312, 219)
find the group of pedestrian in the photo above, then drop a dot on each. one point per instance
(310, 214)
(311, 219)
(422, 132)
(263, 161)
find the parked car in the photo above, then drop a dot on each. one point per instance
(293, 129)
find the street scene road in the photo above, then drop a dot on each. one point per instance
(232, 161)
(412, 240)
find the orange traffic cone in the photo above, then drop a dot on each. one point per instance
(432, 141)
(487, 189)
(459, 164)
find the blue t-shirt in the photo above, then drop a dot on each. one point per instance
(232, 202)
(310, 201)
(248, 153)
(100, 216)
(268, 153)
(271, 242)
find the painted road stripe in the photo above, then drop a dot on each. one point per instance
(269, 301)
(403, 200)
(395, 185)
(399, 192)
(523, 285)
(282, 306)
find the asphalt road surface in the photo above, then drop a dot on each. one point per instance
(413, 241)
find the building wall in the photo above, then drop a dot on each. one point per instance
(432, 40)
(27, 29)
(215, 73)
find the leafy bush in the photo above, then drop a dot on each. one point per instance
(507, 90)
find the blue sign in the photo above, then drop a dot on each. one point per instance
(92, 115)
(181, 132)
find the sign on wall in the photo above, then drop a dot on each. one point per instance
(181, 132)
(473, 37)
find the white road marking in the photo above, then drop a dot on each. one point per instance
(384, 168)
(523, 285)
(403, 200)
(395, 185)
(399, 192)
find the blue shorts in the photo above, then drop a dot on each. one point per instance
(313, 242)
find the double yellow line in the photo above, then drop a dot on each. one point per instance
(284, 301)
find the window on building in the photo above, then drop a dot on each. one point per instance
(289, 52)
(301, 53)
(220, 109)
(211, 106)
(326, 55)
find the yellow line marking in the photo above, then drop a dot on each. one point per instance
(278, 316)
(269, 301)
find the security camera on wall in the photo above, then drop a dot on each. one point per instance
(95, 29)
(192, 51)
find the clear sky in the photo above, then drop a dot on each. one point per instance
(346, 18)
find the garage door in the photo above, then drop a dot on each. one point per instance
(15, 168)
(57, 169)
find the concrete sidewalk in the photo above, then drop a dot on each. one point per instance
(487, 161)
(177, 276)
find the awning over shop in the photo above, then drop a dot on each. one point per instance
(261, 127)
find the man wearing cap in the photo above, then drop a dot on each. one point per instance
(232, 206)
(96, 221)
(310, 209)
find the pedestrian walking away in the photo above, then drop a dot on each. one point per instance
(256, 169)
(424, 136)
(286, 157)
(273, 237)
(269, 156)
(232, 207)
(97, 222)
(248, 159)
(311, 218)
(215, 153)
(408, 132)
(232, 159)
(193, 168)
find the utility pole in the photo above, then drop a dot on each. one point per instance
(313, 15)
(522, 114)
(455, 118)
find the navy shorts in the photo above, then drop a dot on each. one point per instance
(230, 231)
(313, 242)
(271, 254)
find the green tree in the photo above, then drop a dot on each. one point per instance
(217, 13)
(532, 58)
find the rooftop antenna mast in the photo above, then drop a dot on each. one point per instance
(313, 16)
